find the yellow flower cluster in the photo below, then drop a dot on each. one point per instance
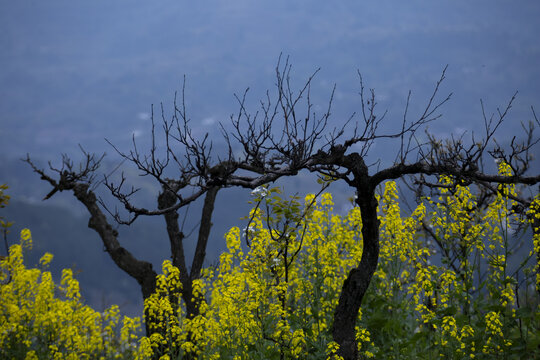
(163, 315)
(40, 320)
(533, 215)
(450, 277)
(443, 288)
(274, 300)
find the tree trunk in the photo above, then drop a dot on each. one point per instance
(176, 237)
(359, 278)
(141, 271)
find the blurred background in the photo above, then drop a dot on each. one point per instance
(77, 72)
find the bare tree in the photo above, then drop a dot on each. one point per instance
(284, 137)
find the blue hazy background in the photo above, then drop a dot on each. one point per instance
(76, 72)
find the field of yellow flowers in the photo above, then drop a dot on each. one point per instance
(448, 285)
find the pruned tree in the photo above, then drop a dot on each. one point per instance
(283, 138)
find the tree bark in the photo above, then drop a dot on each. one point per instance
(141, 271)
(359, 278)
(165, 200)
(204, 232)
